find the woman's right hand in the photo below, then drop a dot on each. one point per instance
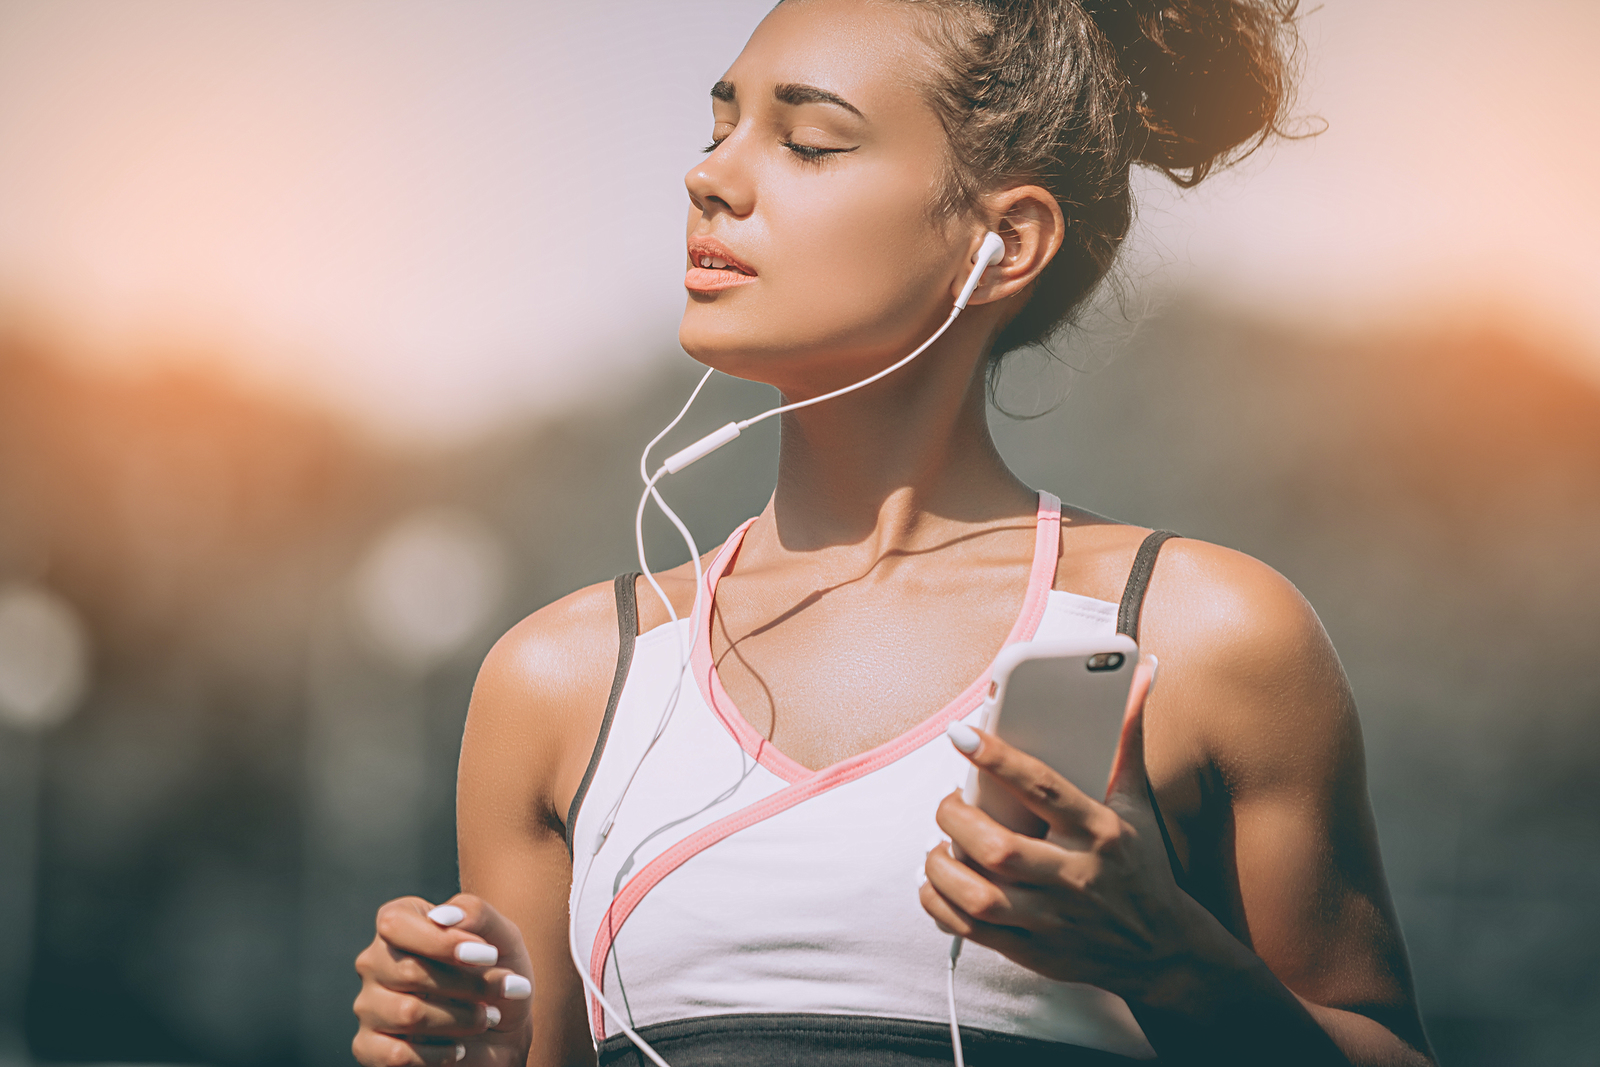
(441, 985)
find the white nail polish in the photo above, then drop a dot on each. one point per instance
(491, 1013)
(964, 737)
(516, 987)
(461, 1052)
(477, 953)
(447, 915)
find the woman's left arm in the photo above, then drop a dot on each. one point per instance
(1313, 969)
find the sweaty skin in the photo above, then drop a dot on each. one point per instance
(891, 561)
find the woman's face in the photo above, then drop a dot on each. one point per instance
(814, 208)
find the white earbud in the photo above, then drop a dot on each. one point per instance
(989, 253)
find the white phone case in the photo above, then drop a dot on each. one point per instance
(1059, 710)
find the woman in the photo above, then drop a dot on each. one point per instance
(752, 898)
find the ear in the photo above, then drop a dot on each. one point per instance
(1030, 222)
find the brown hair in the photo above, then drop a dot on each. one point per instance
(1070, 94)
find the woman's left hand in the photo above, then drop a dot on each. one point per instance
(1093, 900)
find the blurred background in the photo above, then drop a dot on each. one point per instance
(329, 334)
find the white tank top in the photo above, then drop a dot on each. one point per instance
(744, 882)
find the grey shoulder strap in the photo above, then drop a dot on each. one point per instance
(627, 631)
(1144, 565)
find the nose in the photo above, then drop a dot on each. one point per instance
(721, 182)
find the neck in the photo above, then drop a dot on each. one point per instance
(903, 461)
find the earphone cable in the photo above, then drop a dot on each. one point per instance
(594, 991)
(684, 649)
(644, 457)
(988, 254)
(884, 373)
(666, 715)
(955, 1027)
(650, 493)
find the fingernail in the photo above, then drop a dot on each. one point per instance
(492, 1013)
(1155, 666)
(516, 987)
(461, 1052)
(477, 952)
(447, 915)
(964, 737)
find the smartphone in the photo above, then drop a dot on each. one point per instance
(1061, 702)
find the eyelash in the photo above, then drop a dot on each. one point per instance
(808, 153)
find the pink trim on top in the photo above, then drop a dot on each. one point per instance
(1046, 553)
(804, 783)
(1046, 548)
(705, 675)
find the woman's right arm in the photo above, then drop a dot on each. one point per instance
(534, 717)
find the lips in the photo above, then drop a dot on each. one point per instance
(712, 267)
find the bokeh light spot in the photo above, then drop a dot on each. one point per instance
(429, 584)
(44, 657)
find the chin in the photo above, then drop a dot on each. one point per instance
(708, 326)
(718, 342)
(802, 348)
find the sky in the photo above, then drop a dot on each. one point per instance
(438, 218)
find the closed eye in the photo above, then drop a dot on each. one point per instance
(813, 154)
(809, 153)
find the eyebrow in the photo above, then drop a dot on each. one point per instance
(792, 94)
(810, 94)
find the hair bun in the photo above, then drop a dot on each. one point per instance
(1208, 77)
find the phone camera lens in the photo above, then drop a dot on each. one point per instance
(1105, 661)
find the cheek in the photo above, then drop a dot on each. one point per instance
(859, 250)
(850, 263)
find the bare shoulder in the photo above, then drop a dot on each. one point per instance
(539, 699)
(1220, 601)
(1246, 662)
(542, 692)
(556, 643)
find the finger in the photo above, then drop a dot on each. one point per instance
(408, 1015)
(373, 1049)
(986, 901)
(947, 916)
(1002, 904)
(404, 972)
(473, 917)
(416, 952)
(1003, 855)
(1129, 777)
(408, 924)
(1067, 810)
(952, 920)
(968, 890)
(510, 982)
